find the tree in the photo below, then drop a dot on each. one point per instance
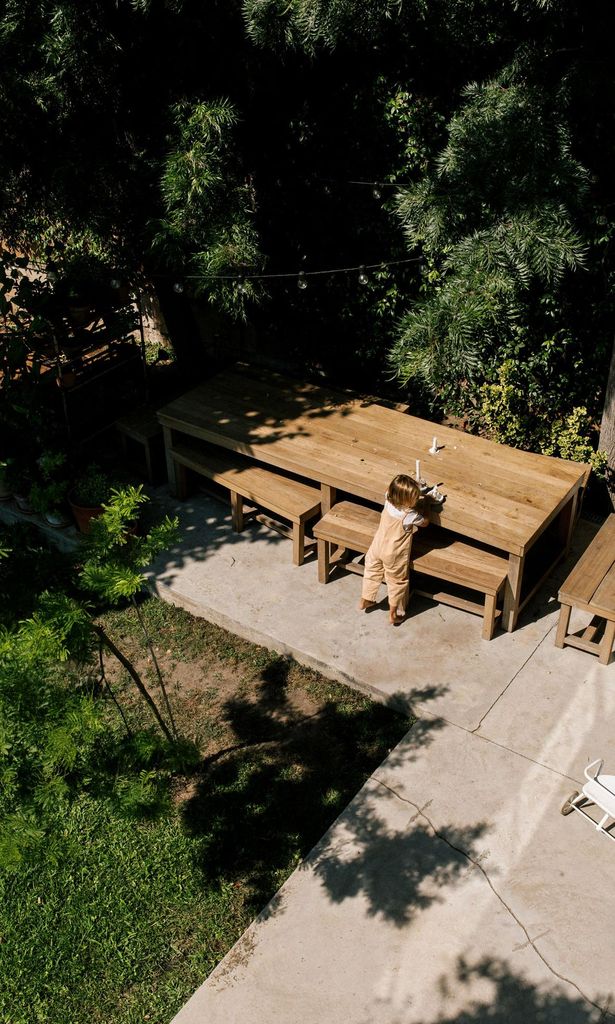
(112, 570)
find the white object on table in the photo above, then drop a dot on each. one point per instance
(417, 471)
(434, 447)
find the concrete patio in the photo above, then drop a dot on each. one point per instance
(450, 889)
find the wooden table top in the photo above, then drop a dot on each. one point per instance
(495, 494)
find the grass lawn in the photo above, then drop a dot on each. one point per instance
(129, 915)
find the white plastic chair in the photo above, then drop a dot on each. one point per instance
(599, 790)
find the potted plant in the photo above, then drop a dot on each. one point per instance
(88, 495)
(20, 476)
(48, 495)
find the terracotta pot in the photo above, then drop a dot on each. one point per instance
(83, 515)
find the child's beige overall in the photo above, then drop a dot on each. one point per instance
(388, 559)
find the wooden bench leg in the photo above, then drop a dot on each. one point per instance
(606, 644)
(489, 616)
(237, 511)
(171, 465)
(324, 564)
(298, 543)
(149, 465)
(562, 625)
(180, 475)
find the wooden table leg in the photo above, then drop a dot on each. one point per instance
(512, 592)
(567, 521)
(167, 433)
(327, 498)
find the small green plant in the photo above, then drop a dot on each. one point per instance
(93, 488)
(49, 492)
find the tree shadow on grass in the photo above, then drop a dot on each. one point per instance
(494, 993)
(260, 805)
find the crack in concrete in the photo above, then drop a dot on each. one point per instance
(511, 681)
(605, 1013)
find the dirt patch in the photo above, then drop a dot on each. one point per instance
(214, 699)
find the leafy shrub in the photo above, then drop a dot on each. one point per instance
(571, 439)
(93, 488)
(507, 416)
(504, 413)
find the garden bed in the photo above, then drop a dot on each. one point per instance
(125, 915)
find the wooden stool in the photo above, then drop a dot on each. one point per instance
(142, 427)
(591, 588)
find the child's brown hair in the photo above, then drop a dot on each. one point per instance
(403, 492)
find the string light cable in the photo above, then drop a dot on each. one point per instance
(243, 278)
(360, 269)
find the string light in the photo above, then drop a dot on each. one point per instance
(377, 194)
(302, 274)
(242, 280)
(115, 283)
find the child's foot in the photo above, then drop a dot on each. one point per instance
(396, 616)
(365, 604)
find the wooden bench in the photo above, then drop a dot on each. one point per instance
(248, 481)
(591, 588)
(351, 527)
(142, 427)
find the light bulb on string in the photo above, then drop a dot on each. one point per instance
(301, 281)
(242, 287)
(363, 278)
(115, 284)
(377, 194)
(178, 288)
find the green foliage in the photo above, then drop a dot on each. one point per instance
(115, 554)
(49, 492)
(93, 487)
(495, 217)
(509, 413)
(314, 24)
(32, 561)
(504, 411)
(571, 439)
(47, 736)
(209, 212)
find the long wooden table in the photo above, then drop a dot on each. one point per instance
(501, 496)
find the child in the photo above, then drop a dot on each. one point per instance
(388, 557)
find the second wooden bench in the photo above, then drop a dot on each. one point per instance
(351, 527)
(590, 587)
(248, 481)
